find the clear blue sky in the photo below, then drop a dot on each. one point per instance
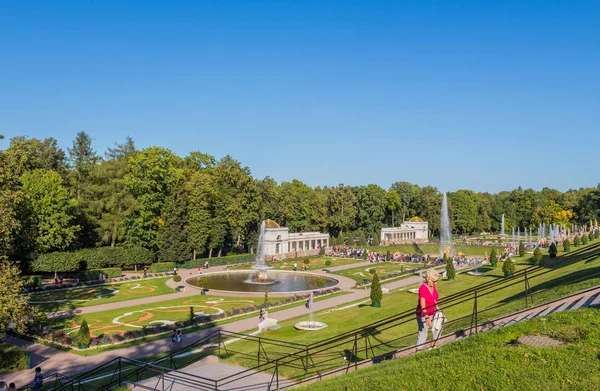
(456, 94)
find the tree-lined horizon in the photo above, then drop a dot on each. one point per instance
(196, 205)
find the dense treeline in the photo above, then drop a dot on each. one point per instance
(186, 208)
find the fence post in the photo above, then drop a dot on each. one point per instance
(258, 352)
(277, 373)
(119, 371)
(219, 343)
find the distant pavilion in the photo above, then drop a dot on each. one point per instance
(282, 244)
(414, 230)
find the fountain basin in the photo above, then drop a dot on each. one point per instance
(243, 281)
(414, 290)
(309, 325)
(474, 273)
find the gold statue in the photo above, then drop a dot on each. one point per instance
(447, 251)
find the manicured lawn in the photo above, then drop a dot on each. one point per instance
(101, 294)
(492, 361)
(315, 263)
(433, 249)
(12, 358)
(490, 306)
(363, 273)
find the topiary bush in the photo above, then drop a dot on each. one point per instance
(552, 250)
(537, 256)
(521, 249)
(450, 270)
(508, 268)
(577, 241)
(83, 336)
(388, 256)
(328, 262)
(376, 292)
(306, 261)
(584, 239)
(566, 245)
(322, 251)
(162, 267)
(94, 274)
(59, 262)
(494, 258)
(177, 278)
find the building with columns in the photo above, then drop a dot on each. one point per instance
(281, 244)
(413, 230)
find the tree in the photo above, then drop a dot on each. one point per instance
(409, 198)
(464, 211)
(430, 204)
(388, 256)
(552, 251)
(47, 213)
(371, 202)
(521, 249)
(82, 158)
(566, 245)
(172, 239)
(494, 258)
(376, 292)
(450, 270)
(341, 209)
(14, 306)
(362, 240)
(537, 256)
(508, 268)
(83, 336)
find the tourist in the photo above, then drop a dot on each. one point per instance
(308, 303)
(261, 315)
(2, 386)
(426, 309)
(174, 271)
(295, 266)
(12, 387)
(206, 264)
(38, 380)
(179, 338)
(173, 338)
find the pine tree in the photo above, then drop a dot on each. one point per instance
(388, 256)
(83, 337)
(172, 238)
(508, 268)
(362, 240)
(552, 250)
(521, 249)
(376, 292)
(537, 256)
(494, 258)
(450, 270)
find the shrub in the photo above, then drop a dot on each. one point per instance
(509, 267)
(494, 258)
(161, 267)
(372, 270)
(320, 283)
(328, 262)
(552, 250)
(322, 251)
(83, 337)
(537, 256)
(362, 240)
(521, 249)
(388, 256)
(57, 262)
(12, 358)
(33, 281)
(450, 271)
(177, 278)
(566, 245)
(94, 274)
(365, 254)
(584, 239)
(577, 241)
(376, 292)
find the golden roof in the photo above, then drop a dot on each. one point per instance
(416, 219)
(271, 224)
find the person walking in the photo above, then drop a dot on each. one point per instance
(38, 380)
(12, 387)
(179, 338)
(173, 338)
(3, 386)
(426, 309)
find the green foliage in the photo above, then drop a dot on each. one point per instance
(376, 240)
(177, 278)
(494, 258)
(306, 261)
(388, 256)
(33, 281)
(328, 262)
(266, 297)
(521, 249)
(577, 241)
(365, 254)
(58, 262)
(362, 240)
(172, 237)
(372, 270)
(508, 267)
(552, 250)
(13, 304)
(162, 267)
(192, 315)
(450, 270)
(83, 336)
(376, 292)
(566, 245)
(584, 239)
(537, 256)
(94, 274)
(322, 251)
(12, 358)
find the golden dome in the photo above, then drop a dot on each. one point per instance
(271, 224)
(416, 219)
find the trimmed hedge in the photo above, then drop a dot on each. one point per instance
(92, 258)
(12, 358)
(229, 260)
(113, 272)
(161, 267)
(58, 262)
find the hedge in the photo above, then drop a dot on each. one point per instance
(57, 262)
(12, 358)
(229, 260)
(94, 274)
(161, 267)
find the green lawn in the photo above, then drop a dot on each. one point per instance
(316, 263)
(492, 361)
(363, 273)
(100, 294)
(12, 358)
(433, 249)
(505, 301)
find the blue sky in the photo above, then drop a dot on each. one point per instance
(457, 94)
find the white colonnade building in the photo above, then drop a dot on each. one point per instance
(413, 230)
(281, 244)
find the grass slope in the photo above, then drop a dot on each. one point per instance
(492, 361)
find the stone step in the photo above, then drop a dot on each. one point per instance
(548, 310)
(561, 308)
(534, 314)
(596, 301)
(580, 302)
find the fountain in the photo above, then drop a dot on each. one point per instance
(476, 272)
(310, 325)
(259, 263)
(445, 233)
(502, 226)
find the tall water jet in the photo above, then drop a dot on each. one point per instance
(260, 263)
(502, 226)
(445, 233)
